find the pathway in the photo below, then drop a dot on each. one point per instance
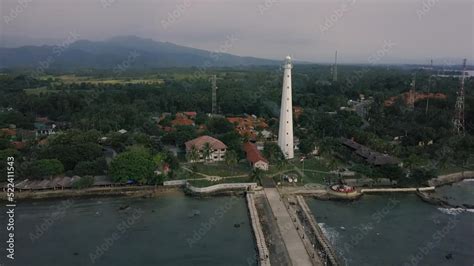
(293, 242)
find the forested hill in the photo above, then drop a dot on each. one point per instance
(122, 52)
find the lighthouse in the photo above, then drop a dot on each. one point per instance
(285, 132)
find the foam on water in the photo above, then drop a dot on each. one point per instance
(454, 211)
(331, 233)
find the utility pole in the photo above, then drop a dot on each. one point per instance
(411, 94)
(214, 94)
(458, 121)
(429, 87)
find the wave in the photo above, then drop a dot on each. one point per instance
(468, 180)
(331, 233)
(455, 211)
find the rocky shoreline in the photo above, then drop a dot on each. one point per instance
(129, 191)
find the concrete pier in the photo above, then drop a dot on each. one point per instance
(294, 244)
(263, 253)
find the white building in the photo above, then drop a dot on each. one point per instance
(285, 132)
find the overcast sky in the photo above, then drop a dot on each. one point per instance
(396, 30)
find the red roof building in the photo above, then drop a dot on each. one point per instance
(10, 132)
(191, 115)
(182, 121)
(254, 156)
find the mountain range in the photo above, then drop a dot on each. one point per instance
(120, 52)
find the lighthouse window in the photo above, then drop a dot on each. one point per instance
(288, 75)
(287, 122)
(287, 110)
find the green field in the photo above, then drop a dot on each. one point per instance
(70, 79)
(40, 90)
(207, 183)
(221, 169)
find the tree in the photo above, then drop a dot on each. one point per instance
(83, 182)
(306, 145)
(193, 154)
(257, 174)
(231, 159)
(46, 168)
(135, 165)
(207, 151)
(272, 152)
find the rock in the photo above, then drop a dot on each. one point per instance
(449, 256)
(236, 225)
(123, 207)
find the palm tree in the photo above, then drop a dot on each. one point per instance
(207, 151)
(231, 159)
(193, 156)
(257, 174)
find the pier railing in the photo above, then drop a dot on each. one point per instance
(263, 253)
(331, 256)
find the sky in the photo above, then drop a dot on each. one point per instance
(362, 31)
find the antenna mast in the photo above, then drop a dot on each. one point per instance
(429, 88)
(411, 94)
(458, 120)
(214, 94)
(334, 73)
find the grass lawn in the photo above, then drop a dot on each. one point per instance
(221, 169)
(68, 79)
(207, 183)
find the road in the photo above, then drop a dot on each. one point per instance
(293, 242)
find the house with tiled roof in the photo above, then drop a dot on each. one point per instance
(182, 121)
(217, 148)
(248, 126)
(254, 156)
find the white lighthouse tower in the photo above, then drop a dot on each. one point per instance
(285, 132)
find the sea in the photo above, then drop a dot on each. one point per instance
(169, 230)
(401, 229)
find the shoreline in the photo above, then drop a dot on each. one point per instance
(131, 191)
(155, 191)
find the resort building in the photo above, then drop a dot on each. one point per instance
(217, 149)
(372, 157)
(254, 157)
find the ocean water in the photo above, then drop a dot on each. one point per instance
(400, 229)
(169, 230)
